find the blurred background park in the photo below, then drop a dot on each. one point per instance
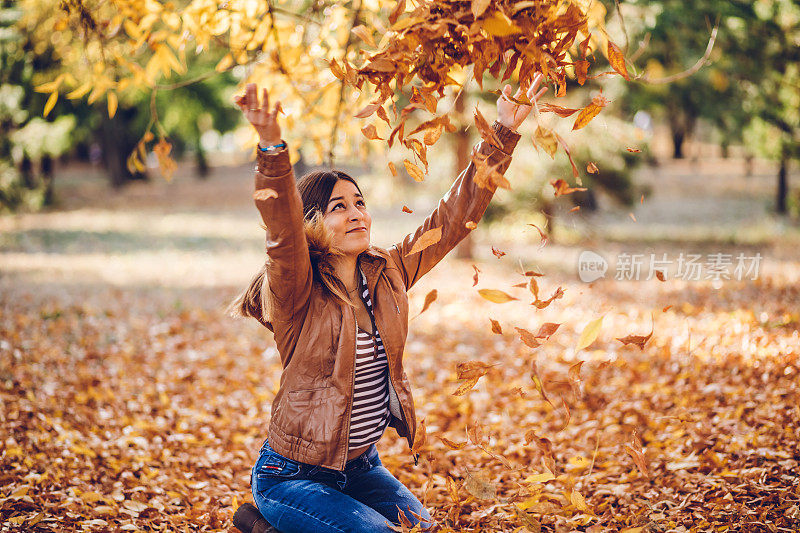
(128, 223)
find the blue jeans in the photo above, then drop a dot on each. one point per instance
(300, 497)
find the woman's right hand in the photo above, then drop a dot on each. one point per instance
(263, 120)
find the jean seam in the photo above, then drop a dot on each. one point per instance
(278, 502)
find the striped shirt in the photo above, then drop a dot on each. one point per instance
(370, 413)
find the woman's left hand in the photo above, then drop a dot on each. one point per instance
(510, 114)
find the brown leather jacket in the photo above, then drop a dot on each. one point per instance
(316, 334)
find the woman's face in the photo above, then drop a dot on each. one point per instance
(347, 217)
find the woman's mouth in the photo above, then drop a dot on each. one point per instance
(357, 229)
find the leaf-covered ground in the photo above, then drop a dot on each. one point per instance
(131, 402)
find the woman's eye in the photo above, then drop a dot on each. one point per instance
(361, 202)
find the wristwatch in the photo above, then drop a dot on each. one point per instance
(273, 148)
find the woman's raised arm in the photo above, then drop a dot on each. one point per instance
(289, 273)
(465, 201)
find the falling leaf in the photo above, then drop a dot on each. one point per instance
(541, 304)
(634, 449)
(528, 338)
(566, 411)
(531, 524)
(479, 486)
(475, 276)
(638, 340)
(660, 275)
(414, 170)
(641, 200)
(544, 477)
(497, 253)
(534, 288)
(576, 208)
(574, 375)
(542, 235)
(617, 60)
(561, 187)
(407, 210)
(496, 326)
(485, 130)
(591, 168)
(472, 369)
(589, 334)
(546, 139)
(429, 299)
(634, 150)
(546, 329)
(539, 384)
(633, 217)
(496, 296)
(364, 34)
(429, 238)
(450, 444)
(393, 170)
(368, 110)
(586, 115)
(666, 308)
(371, 132)
(470, 225)
(465, 387)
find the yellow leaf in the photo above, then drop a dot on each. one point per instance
(112, 104)
(224, 63)
(547, 140)
(496, 296)
(589, 333)
(540, 478)
(499, 25)
(577, 500)
(478, 7)
(48, 106)
(414, 170)
(80, 91)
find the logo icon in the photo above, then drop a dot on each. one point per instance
(591, 266)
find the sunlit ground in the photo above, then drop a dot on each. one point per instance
(130, 398)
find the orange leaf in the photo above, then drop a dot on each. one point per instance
(472, 369)
(414, 170)
(591, 168)
(486, 131)
(450, 444)
(528, 338)
(617, 60)
(497, 253)
(496, 326)
(475, 276)
(561, 187)
(586, 115)
(393, 170)
(407, 210)
(370, 132)
(465, 387)
(430, 237)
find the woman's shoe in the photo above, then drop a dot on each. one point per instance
(247, 519)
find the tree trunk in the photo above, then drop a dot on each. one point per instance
(47, 178)
(783, 185)
(118, 143)
(464, 249)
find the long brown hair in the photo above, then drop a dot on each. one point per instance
(315, 190)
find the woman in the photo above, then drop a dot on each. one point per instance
(338, 309)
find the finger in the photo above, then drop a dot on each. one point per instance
(540, 93)
(266, 99)
(277, 108)
(252, 96)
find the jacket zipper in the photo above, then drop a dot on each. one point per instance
(352, 395)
